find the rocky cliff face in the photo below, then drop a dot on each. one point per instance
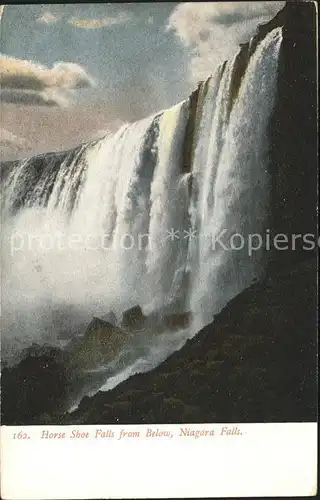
(293, 130)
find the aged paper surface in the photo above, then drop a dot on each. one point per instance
(158, 250)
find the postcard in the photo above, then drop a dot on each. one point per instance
(158, 250)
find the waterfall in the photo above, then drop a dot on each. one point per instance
(118, 222)
(169, 203)
(231, 173)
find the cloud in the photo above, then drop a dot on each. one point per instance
(24, 74)
(90, 24)
(71, 76)
(212, 31)
(48, 18)
(32, 98)
(1, 10)
(33, 83)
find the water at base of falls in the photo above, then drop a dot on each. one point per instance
(117, 222)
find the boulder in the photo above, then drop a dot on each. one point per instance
(100, 343)
(133, 318)
(177, 321)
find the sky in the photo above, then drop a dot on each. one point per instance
(71, 72)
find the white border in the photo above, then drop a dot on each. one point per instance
(264, 460)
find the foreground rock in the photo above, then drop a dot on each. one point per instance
(256, 362)
(133, 318)
(38, 385)
(48, 379)
(100, 344)
(176, 322)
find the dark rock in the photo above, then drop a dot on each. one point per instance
(293, 132)
(101, 343)
(47, 380)
(35, 386)
(177, 321)
(133, 318)
(192, 129)
(238, 72)
(189, 132)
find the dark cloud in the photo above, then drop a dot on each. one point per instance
(30, 98)
(24, 74)
(27, 82)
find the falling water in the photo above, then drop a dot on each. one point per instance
(234, 184)
(108, 225)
